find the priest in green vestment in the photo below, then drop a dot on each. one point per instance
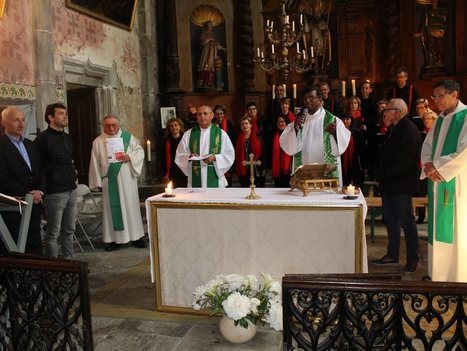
(444, 160)
(116, 163)
(205, 152)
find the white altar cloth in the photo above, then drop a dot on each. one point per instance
(200, 233)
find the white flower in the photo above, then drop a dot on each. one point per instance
(274, 318)
(276, 287)
(235, 281)
(253, 282)
(237, 306)
(254, 305)
(196, 306)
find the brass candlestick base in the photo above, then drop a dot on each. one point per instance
(253, 194)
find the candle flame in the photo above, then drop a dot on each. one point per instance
(169, 185)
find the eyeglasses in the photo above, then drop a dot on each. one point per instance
(434, 97)
(251, 108)
(311, 97)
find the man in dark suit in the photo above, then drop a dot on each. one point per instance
(21, 173)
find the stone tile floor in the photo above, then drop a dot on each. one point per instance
(122, 303)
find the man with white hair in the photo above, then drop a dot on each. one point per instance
(397, 172)
(116, 163)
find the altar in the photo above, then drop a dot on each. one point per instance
(201, 233)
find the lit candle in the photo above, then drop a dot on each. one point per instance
(343, 88)
(301, 18)
(294, 87)
(298, 47)
(350, 190)
(285, 90)
(272, 48)
(312, 52)
(354, 89)
(148, 145)
(258, 51)
(168, 190)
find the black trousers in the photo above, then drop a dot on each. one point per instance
(397, 212)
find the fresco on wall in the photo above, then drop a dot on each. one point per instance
(16, 44)
(207, 28)
(76, 30)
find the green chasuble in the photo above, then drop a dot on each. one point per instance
(328, 156)
(445, 205)
(215, 143)
(114, 195)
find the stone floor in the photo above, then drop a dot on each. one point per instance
(122, 303)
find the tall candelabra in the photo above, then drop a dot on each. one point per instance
(279, 55)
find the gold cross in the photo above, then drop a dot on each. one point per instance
(252, 163)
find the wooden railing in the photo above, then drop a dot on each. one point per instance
(372, 312)
(44, 304)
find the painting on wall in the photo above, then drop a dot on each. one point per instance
(118, 13)
(166, 114)
(2, 7)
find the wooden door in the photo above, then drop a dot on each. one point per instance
(82, 126)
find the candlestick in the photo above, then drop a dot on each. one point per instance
(273, 91)
(294, 89)
(343, 88)
(148, 145)
(285, 90)
(354, 90)
(350, 190)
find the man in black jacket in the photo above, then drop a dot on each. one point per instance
(21, 173)
(55, 147)
(397, 172)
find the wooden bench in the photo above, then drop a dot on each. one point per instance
(375, 202)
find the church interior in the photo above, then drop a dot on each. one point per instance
(145, 61)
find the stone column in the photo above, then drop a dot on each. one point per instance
(43, 56)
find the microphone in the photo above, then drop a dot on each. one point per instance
(302, 114)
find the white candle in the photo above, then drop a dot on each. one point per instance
(168, 190)
(298, 47)
(287, 19)
(273, 91)
(148, 145)
(262, 54)
(293, 26)
(294, 87)
(272, 48)
(312, 52)
(272, 24)
(343, 88)
(285, 90)
(354, 89)
(267, 23)
(350, 190)
(304, 54)
(258, 51)
(301, 18)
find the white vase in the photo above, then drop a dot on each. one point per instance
(236, 334)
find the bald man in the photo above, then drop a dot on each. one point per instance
(21, 173)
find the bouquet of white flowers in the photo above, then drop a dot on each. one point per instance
(242, 298)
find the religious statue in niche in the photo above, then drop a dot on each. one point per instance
(208, 35)
(432, 35)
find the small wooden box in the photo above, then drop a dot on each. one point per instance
(314, 177)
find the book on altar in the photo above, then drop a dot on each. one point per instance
(10, 200)
(115, 149)
(199, 158)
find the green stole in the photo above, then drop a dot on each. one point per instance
(215, 143)
(446, 190)
(114, 195)
(328, 156)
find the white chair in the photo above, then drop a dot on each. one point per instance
(87, 208)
